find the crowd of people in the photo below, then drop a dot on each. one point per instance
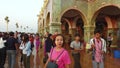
(55, 53)
(12, 44)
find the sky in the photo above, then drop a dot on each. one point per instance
(23, 12)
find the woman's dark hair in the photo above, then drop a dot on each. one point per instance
(26, 38)
(62, 37)
(77, 35)
(22, 34)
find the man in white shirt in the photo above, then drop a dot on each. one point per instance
(2, 51)
(99, 48)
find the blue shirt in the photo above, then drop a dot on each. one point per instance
(26, 49)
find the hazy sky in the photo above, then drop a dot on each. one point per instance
(22, 11)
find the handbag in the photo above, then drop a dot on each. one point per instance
(53, 64)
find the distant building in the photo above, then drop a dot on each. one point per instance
(80, 16)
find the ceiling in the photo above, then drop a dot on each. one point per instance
(71, 13)
(110, 10)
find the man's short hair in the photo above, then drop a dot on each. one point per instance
(77, 35)
(11, 33)
(97, 31)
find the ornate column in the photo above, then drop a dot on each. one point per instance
(118, 33)
(88, 33)
(43, 31)
(47, 28)
(110, 30)
(89, 25)
(55, 26)
(115, 37)
(72, 31)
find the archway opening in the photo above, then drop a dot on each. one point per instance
(74, 23)
(65, 27)
(108, 21)
(79, 26)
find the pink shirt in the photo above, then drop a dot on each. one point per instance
(63, 59)
(98, 47)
